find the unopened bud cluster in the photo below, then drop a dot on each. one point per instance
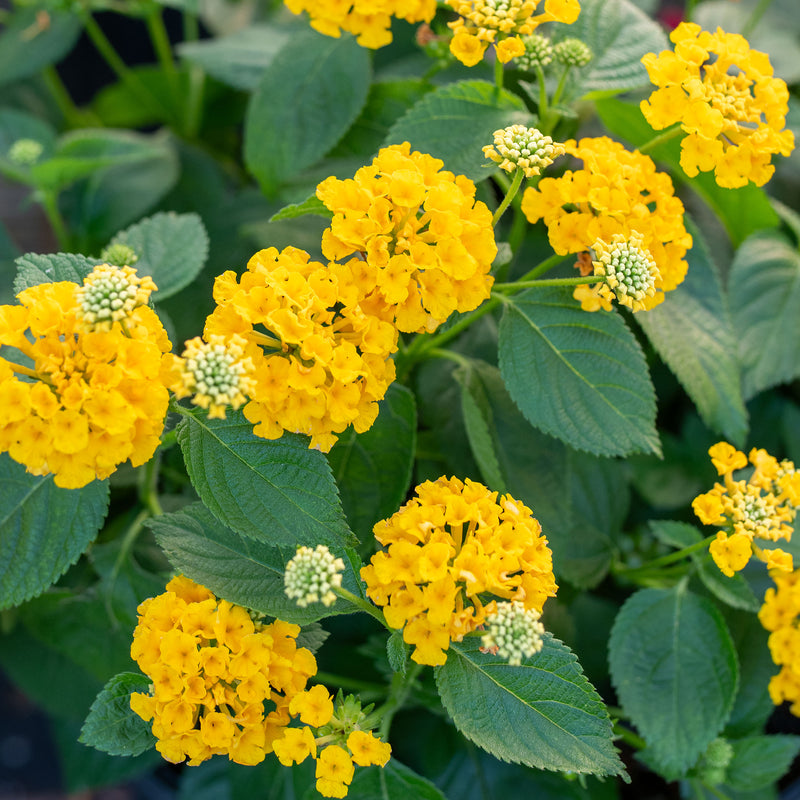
(25, 152)
(572, 52)
(110, 294)
(513, 633)
(518, 147)
(538, 52)
(630, 271)
(120, 255)
(312, 575)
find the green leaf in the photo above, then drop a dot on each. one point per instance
(742, 211)
(675, 534)
(579, 377)
(111, 725)
(43, 529)
(373, 469)
(544, 713)
(311, 205)
(238, 60)
(734, 591)
(25, 48)
(397, 652)
(395, 781)
(276, 492)
(692, 332)
(675, 670)
(36, 268)
(307, 98)
(172, 249)
(619, 34)
(764, 288)
(760, 760)
(454, 122)
(242, 571)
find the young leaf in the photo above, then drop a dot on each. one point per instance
(734, 591)
(395, 781)
(111, 725)
(307, 98)
(759, 761)
(373, 469)
(454, 122)
(276, 492)
(240, 570)
(692, 332)
(764, 287)
(675, 669)
(43, 529)
(36, 268)
(544, 713)
(311, 205)
(172, 249)
(579, 377)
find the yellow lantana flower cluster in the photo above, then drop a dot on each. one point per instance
(320, 363)
(779, 615)
(88, 395)
(212, 669)
(760, 507)
(503, 23)
(446, 548)
(727, 101)
(423, 245)
(616, 192)
(369, 21)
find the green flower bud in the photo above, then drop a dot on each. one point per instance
(120, 255)
(538, 52)
(518, 147)
(25, 152)
(312, 575)
(573, 52)
(513, 632)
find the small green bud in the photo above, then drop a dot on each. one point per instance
(312, 575)
(718, 753)
(538, 52)
(25, 152)
(513, 632)
(573, 52)
(119, 255)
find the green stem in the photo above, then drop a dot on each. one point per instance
(629, 737)
(666, 136)
(755, 17)
(73, 116)
(498, 72)
(450, 355)
(194, 101)
(125, 548)
(562, 83)
(545, 266)
(351, 684)
(161, 44)
(543, 104)
(148, 487)
(399, 689)
(519, 176)
(716, 792)
(363, 605)
(549, 282)
(690, 4)
(670, 558)
(49, 201)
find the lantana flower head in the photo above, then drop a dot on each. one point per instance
(86, 397)
(726, 99)
(212, 668)
(422, 245)
(320, 362)
(513, 632)
(369, 21)
(518, 147)
(312, 575)
(629, 270)
(446, 549)
(110, 294)
(762, 506)
(503, 23)
(780, 615)
(615, 192)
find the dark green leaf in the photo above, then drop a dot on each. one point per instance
(172, 249)
(111, 725)
(544, 713)
(692, 332)
(311, 205)
(25, 47)
(579, 377)
(764, 288)
(675, 534)
(734, 591)
(35, 268)
(240, 59)
(454, 122)
(307, 98)
(276, 492)
(243, 571)
(43, 529)
(675, 670)
(373, 469)
(760, 760)
(397, 652)
(395, 781)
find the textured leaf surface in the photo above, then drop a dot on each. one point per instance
(307, 98)
(36, 268)
(311, 205)
(579, 377)
(454, 122)
(692, 332)
(240, 59)
(43, 529)
(734, 591)
(619, 34)
(373, 469)
(111, 725)
(544, 713)
(172, 249)
(277, 492)
(241, 570)
(395, 781)
(760, 760)
(764, 288)
(675, 670)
